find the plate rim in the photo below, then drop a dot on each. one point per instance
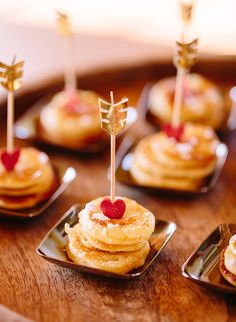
(96, 271)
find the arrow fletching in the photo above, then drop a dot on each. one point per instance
(186, 54)
(113, 116)
(63, 24)
(11, 75)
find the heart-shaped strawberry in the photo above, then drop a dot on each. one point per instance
(113, 210)
(72, 102)
(9, 160)
(173, 132)
(74, 105)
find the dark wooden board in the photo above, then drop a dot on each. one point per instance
(47, 293)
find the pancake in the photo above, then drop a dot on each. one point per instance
(90, 242)
(113, 245)
(119, 262)
(27, 201)
(203, 102)
(33, 168)
(73, 126)
(32, 180)
(160, 161)
(136, 225)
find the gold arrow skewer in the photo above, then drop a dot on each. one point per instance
(113, 119)
(11, 80)
(185, 58)
(186, 9)
(65, 30)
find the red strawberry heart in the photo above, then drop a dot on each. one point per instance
(113, 210)
(174, 132)
(73, 104)
(9, 160)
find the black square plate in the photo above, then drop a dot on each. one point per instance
(202, 267)
(124, 162)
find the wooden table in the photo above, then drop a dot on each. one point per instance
(44, 292)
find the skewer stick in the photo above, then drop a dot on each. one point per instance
(185, 58)
(69, 64)
(11, 80)
(113, 154)
(64, 28)
(178, 96)
(186, 9)
(10, 121)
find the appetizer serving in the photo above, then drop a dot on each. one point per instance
(71, 118)
(52, 247)
(112, 233)
(26, 175)
(181, 156)
(182, 162)
(202, 102)
(227, 264)
(26, 178)
(113, 237)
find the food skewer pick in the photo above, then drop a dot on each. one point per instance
(11, 80)
(186, 9)
(65, 30)
(185, 58)
(113, 119)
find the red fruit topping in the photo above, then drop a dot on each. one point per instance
(173, 132)
(9, 160)
(112, 210)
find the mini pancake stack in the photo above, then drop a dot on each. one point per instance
(31, 181)
(113, 245)
(161, 161)
(71, 119)
(228, 262)
(203, 102)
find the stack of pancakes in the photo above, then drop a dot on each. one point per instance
(228, 262)
(71, 120)
(203, 102)
(31, 181)
(113, 245)
(161, 161)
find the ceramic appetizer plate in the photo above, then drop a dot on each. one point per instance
(154, 120)
(65, 175)
(26, 128)
(52, 248)
(202, 267)
(125, 158)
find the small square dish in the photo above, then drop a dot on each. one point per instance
(125, 159)
(202, 267)
(27, 128)
(52, 248)
(64, 175)
(230, 98)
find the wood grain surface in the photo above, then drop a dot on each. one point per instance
(44, 292)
